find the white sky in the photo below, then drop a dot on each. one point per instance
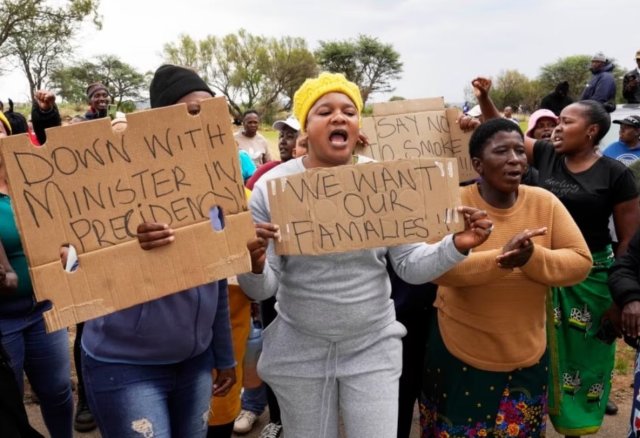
(443, 43)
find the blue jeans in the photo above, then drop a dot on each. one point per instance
(46, 360)
(159, 401)
(255, 399)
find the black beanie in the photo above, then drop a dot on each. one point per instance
(171, 83)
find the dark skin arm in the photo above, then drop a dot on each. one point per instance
(481, 88)
(626, 216)
(154, 235)
(477, 230)
(8, 278)
(225, 379)
(258, 245)
(519, 249)
(631, 319)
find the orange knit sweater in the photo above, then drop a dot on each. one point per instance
(494, 318)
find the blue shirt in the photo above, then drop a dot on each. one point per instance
(621, 152)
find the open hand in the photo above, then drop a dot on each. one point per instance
(477, 229)
(258, 245)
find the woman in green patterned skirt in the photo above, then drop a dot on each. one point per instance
(585, 322)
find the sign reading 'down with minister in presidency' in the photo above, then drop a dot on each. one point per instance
(91, 187)
(346, 208)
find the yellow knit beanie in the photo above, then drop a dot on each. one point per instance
(313, 89)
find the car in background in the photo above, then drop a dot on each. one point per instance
(621, 111)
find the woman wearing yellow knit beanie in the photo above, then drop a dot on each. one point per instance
(335, 347)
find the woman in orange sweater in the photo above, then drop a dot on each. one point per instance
(486, 367)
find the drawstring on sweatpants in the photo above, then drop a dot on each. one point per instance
(329, 384)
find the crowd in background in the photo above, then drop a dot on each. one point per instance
(491, 330)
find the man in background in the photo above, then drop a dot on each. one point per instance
(627, 148)
(250, 140)
(631, 83)
(602, 86)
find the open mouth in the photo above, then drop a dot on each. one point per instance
(557, 140)
(338, 137)
(514, 174)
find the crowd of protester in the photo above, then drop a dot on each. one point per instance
(492, 330)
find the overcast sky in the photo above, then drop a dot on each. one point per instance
(442, 43)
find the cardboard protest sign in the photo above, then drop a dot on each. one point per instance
(346, 208)
(417, 128)
(91, 187)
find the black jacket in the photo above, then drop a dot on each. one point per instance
(624, 275)
(42, 120)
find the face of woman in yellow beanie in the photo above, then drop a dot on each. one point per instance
(332, 129)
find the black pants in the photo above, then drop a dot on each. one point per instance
(14, 422)
(416, 319)
(268, 312)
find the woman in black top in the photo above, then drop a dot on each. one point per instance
(593, 188)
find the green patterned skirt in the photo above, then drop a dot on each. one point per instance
(581, 364)
(460, 401)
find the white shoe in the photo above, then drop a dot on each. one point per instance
(245, 421)
(271, 430)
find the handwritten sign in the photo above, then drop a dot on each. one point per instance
(417, 128)
(346, 208)
(91, 187)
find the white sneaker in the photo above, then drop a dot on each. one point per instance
(245, 421)
(271, 430)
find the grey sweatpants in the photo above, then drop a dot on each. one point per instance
(316, 380)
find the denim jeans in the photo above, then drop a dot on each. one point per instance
(255, 399)
(46, 360)
(159, 401)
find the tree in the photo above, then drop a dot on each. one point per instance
(35, 34)
(125, 84)
(366, 61)
(509, 88)
(252, 71)
(38, 50)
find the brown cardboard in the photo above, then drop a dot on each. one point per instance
(417, 128)
(346, 208)
(91, 187)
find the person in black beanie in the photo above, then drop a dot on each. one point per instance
(148, 369)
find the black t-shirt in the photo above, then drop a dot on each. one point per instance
(590, 195)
